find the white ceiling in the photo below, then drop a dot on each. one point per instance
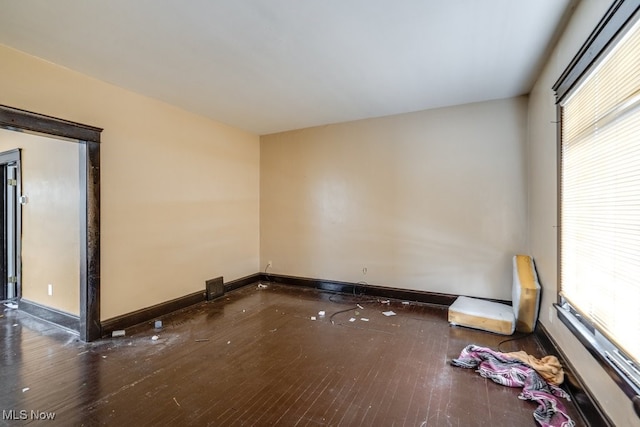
(272, 65)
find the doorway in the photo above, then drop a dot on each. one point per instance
(88, 140)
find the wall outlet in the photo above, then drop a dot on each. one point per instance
(269, 264)
(364, 270)
(50, 289)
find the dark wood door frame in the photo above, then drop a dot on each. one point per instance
(89, 160)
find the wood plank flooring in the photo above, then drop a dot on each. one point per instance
(255, 358)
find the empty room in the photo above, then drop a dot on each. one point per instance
(336, 213)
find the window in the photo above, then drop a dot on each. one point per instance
(599, 253)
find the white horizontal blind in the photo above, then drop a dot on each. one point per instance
(600, 196)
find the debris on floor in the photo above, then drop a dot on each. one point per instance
(507, 370)
(25, 389)
(11, 305)
(405, 302)
(353, 319)
(321, 313)
(389, 313)
(119, 333)
(360, 307)
(174, 399)
(313, 317)
(202, 339)
(261, 286)
(157, 324)
(364, 319)
(155, 338)
(385, 302)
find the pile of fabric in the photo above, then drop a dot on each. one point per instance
(539, 379)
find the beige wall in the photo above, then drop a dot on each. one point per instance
(50, 231)
(180, 193)
(433, 201)
(543, 209)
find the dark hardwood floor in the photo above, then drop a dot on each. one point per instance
(255, 357)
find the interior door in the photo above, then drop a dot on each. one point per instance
(4, 282)
(11, 206)
(10, 226)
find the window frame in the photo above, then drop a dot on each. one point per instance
(620, 16)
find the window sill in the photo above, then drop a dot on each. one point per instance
(587, 337)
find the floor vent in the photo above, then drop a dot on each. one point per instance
(215, 288)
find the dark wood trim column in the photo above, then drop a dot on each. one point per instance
(90, 242)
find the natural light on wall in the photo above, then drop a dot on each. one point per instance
(600, 196)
